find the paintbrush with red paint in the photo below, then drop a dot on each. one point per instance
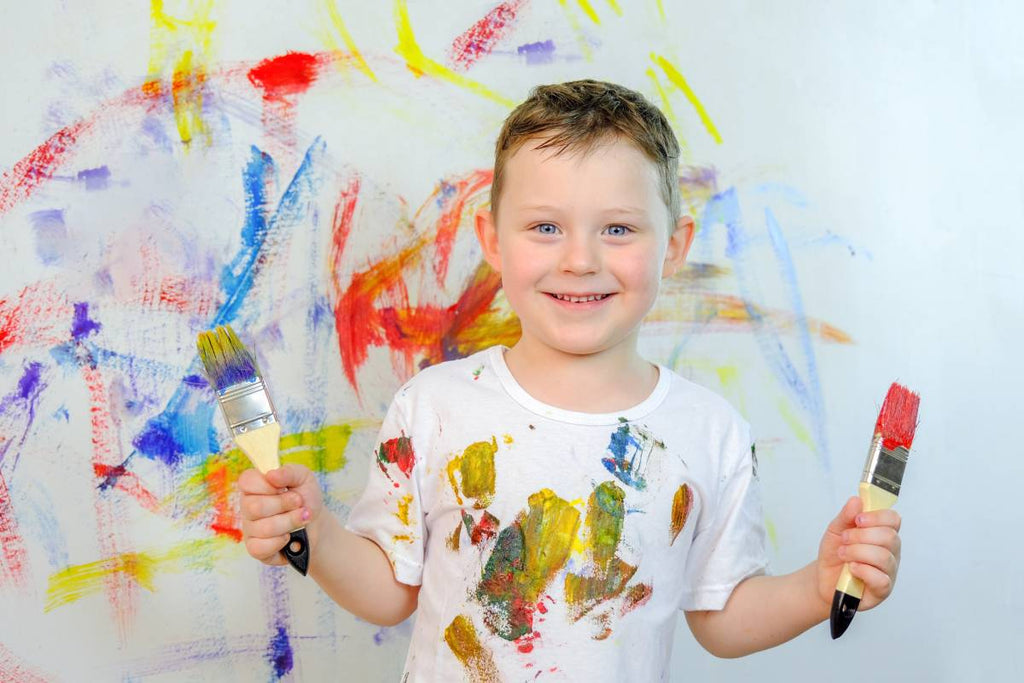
(245, 402)
(879, 486)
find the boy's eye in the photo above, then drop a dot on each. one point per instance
(618, 230)
(546, 229)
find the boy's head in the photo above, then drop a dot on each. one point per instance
(581, 115)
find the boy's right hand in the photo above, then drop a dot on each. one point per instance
(274, 504)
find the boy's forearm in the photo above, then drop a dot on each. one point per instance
(356, 574)
(762, 612)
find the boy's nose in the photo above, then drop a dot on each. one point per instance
(580, 256)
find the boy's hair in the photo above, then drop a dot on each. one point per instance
(580, 115)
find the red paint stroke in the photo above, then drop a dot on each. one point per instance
(128, 482)
(375, 311)
(486, 528)
(39, 316)
(12, 669)
(480, 39)
(897, 420)
(111, 533)
(524, 643)
(14, 556)
(397, 451)
(289, 74)
(190, 296)
(219, 483)
(40, 165)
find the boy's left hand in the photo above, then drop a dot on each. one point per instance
(870, 543)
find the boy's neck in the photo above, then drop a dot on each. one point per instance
(604, 382)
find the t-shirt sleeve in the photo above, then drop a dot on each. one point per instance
(389, 512)
(730, 546)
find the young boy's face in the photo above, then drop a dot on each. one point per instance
(582, 242)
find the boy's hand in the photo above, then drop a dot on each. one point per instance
(870, 543)
(274, 505)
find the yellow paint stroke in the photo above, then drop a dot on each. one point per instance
(403, 509)
(78, 581)
(581, 37)
(421, 65)
(548, 531)
(729, 384)
(346, 37)
(795, 425)
(464, 642)
(677, 80)
(588, 9)
(661, 10)
(321, 450)
(185, 47)
(476, 471)
(615, 7)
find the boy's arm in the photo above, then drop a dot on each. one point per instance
(351, 569)
(764, 611)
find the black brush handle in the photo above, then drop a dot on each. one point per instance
(297, 550)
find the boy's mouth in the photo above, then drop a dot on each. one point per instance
(573, 299)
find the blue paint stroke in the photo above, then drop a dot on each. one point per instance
(94, 178)
(159, 439)
(274, 584)
(627, 462)
(81, 325)
(20, 405)
(538, 53)
(280, 653)
(724, 209)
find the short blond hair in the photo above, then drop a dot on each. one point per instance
(580, 115)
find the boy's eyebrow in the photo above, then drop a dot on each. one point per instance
(614, 210)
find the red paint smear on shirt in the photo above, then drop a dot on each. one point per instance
(480, 39)
(290, 74)
(397, 451)
(12, 547)
(26, 175)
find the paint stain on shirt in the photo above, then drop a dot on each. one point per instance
(682, 503)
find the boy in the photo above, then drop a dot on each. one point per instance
(549, 507)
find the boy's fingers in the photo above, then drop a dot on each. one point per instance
(875, 580)
(252, 481)
(267, 550)
(278, 526)
(287, 477)
(259, 506)
(846, 517)
(883, 536)
(887, 518)
(871, 555)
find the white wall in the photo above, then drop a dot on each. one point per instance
(870, 152)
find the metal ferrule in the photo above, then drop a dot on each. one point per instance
(884, 468)
(247, 406)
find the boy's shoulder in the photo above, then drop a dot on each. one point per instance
(689, 396)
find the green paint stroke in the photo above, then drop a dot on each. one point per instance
(526, 557)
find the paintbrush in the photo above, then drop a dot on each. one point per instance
(245, 402)
(879, 486)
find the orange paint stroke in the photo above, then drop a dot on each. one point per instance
(682, 503)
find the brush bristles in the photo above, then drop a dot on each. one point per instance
(897, 421)
(225, 358)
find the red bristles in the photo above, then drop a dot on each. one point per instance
(897, 420)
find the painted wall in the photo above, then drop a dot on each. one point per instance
(308, 172)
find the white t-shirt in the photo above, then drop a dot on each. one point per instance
(552, 544)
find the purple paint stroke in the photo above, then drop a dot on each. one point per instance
(723, 209)
(538, 53)
(51, 235)
(274, 582)
(81, 325)
(94, 178)
(18, 406)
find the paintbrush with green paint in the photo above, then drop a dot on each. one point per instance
(249, 413)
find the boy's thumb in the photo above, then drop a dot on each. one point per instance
(845, 519)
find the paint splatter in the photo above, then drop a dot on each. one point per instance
(464, 643)
(279, 652)
(538, 53)
(606, 575)
(682, 503)
(289, 74)
(631, 448)
(475, 467)
(484, 35)
(526, 557)
(485, 529)
(397, 451)
(82, 326)
(403, 509)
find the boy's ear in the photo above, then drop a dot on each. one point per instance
(487, 235)
(678, 246)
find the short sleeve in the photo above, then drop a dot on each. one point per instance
(389, 512)
(730, 546)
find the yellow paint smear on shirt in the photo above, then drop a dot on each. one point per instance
(421, 65)
(403, 509)
(78, 581)
(464, 642)
(676, 78)
(475, 468)
(548, 531)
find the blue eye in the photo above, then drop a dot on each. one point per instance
(546, 229)
(618, 230)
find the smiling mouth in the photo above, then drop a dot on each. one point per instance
(579, 299)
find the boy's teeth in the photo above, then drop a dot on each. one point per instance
(580, 299)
